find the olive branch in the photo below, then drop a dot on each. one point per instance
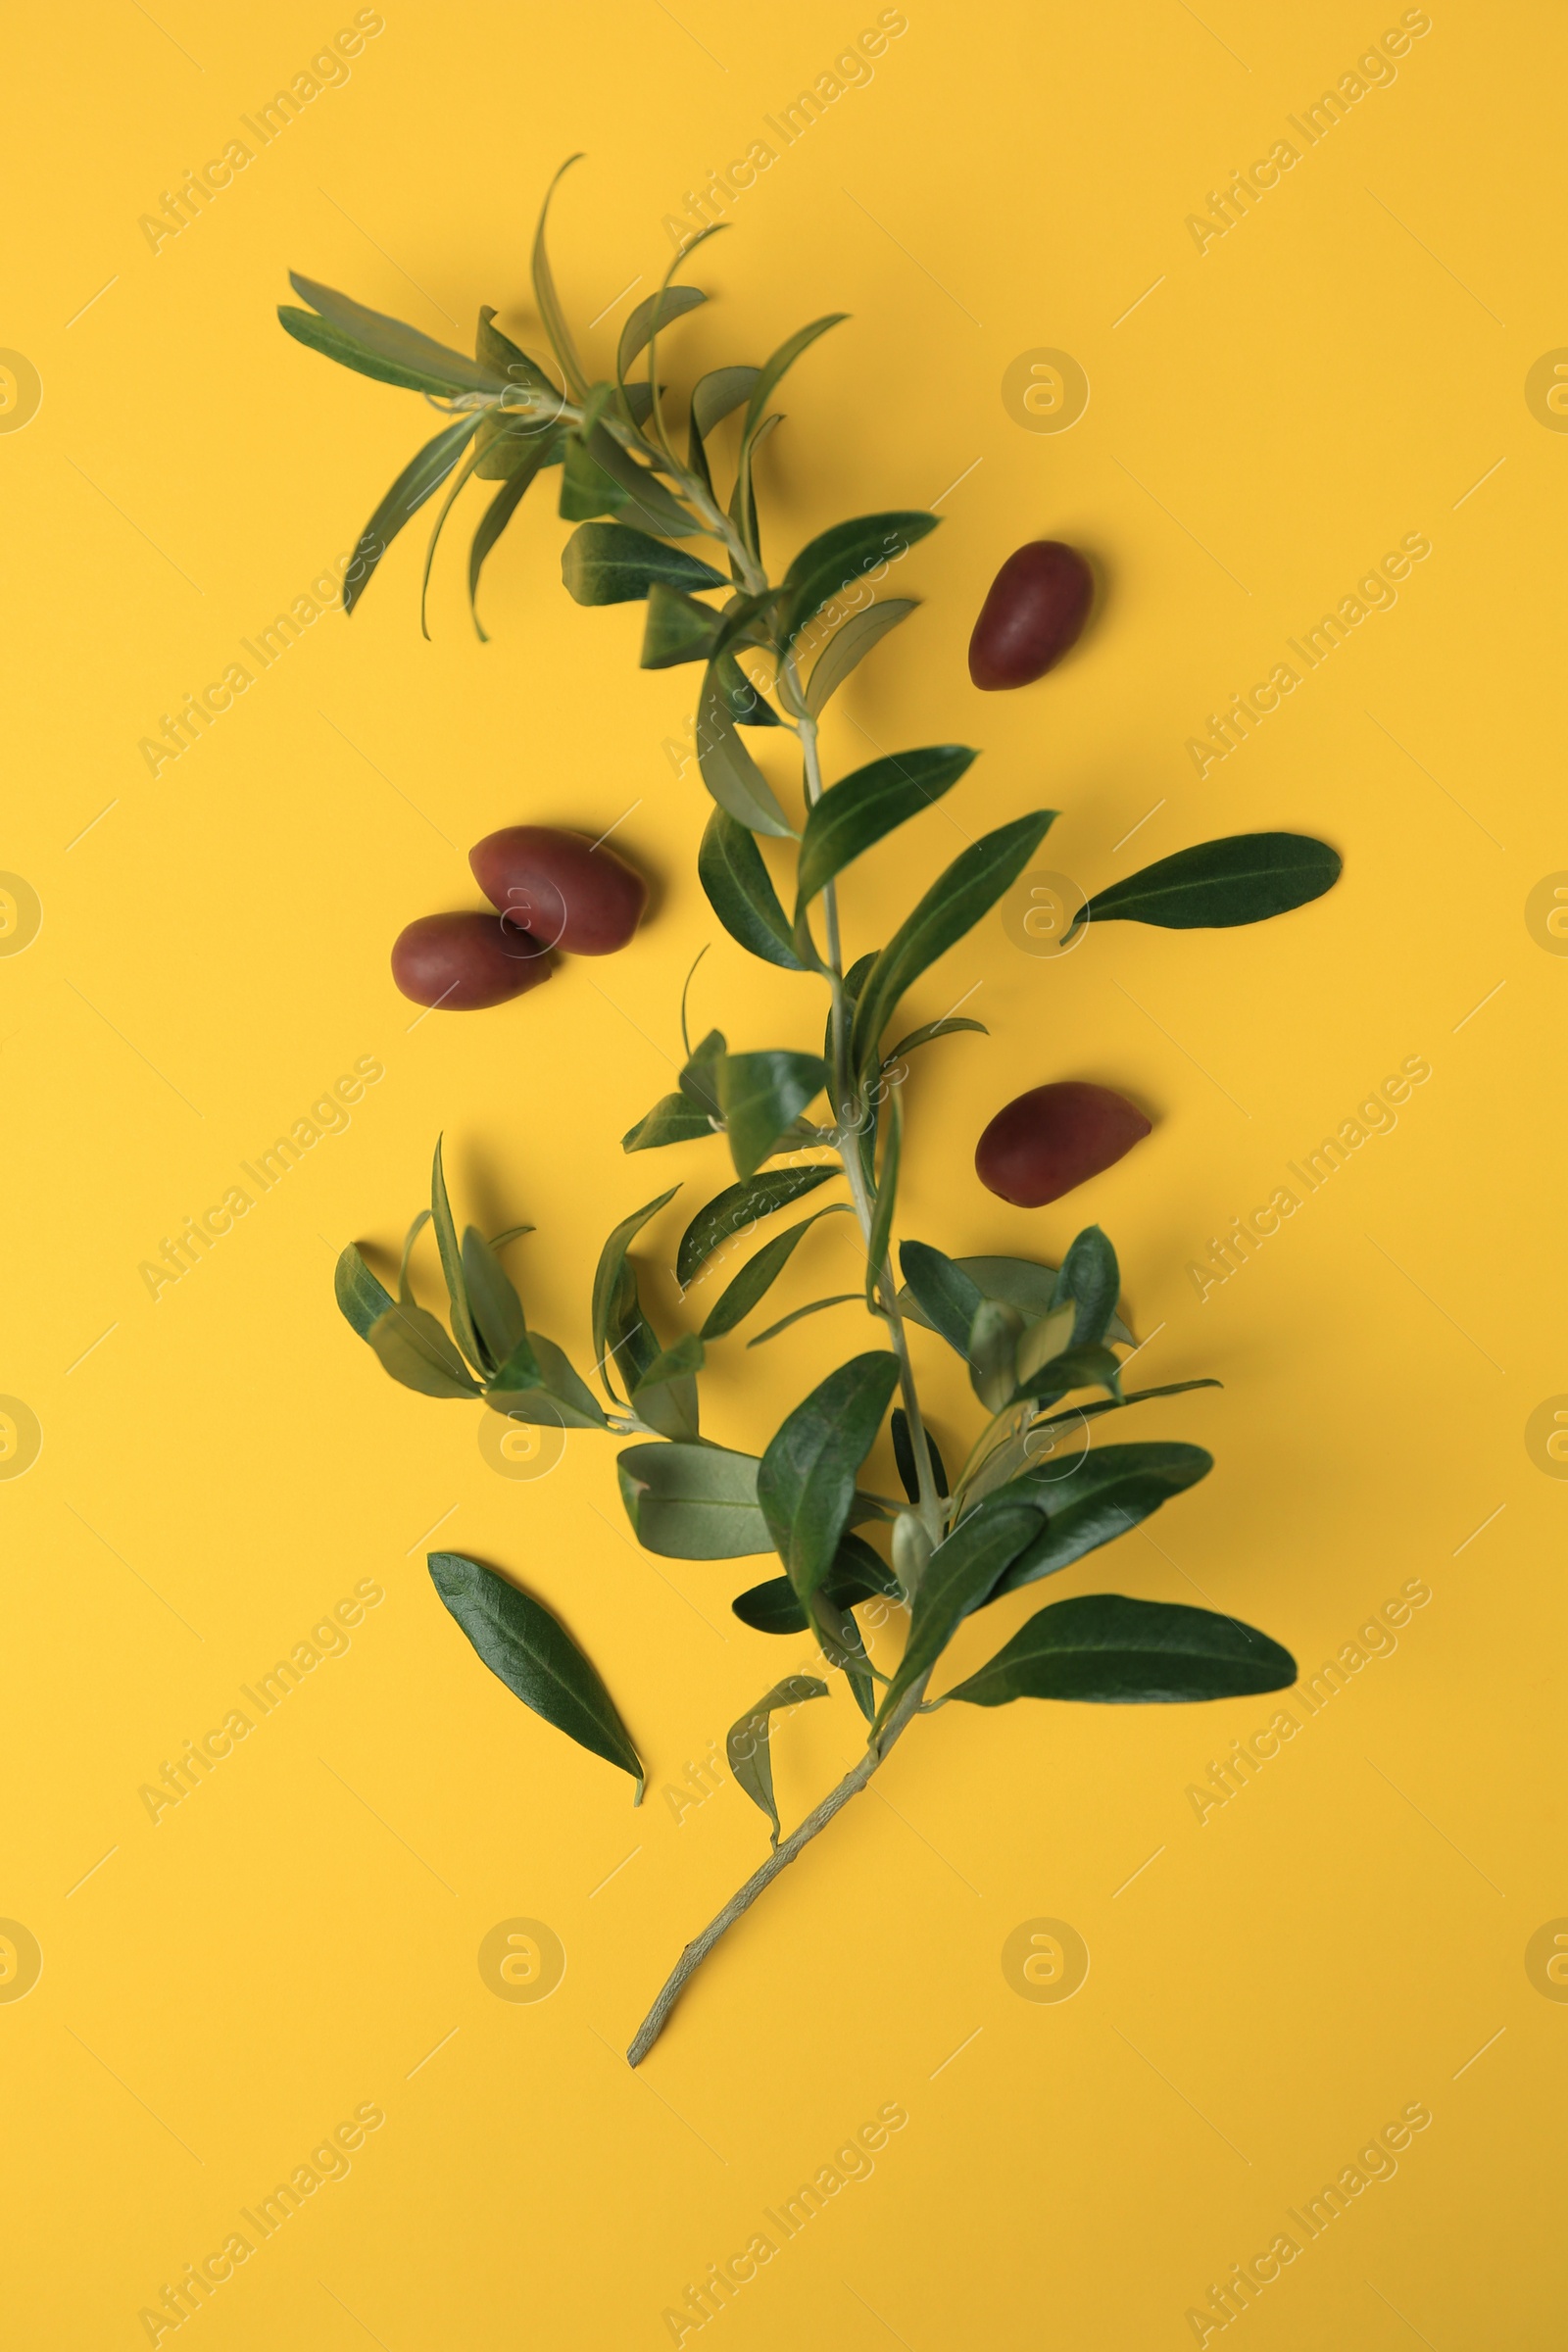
(1031, 1336)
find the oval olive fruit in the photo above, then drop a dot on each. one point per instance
(1035, 612)
(462, 963)
(568, 892)
(1047, 1141)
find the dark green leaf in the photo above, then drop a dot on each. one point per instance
(971, 886)
(699, 1080)
(871, 803)
(678, 629)
(537, 1382)
(805, 1484)
(493, 348)
(1089, 1367)
(549, 302)
(838, 1637)
(493, 1302)
(839, 559)
(693, 1502)
(740, 890)
(362, 1298)
(904, 1455)
(748, 1744)
(1091, 1279)
(747, 707)
(1030, 1288)
(730, 773)
(586, 490)
(881, 1234)
(651, 315)
(756, 1278)
(420, 478)
(673, 1119)
(535, 1656)
(381, 346)
(532, 457)
(1243, 879)
(610, 563)
(446, 1237)
(610, 1304)
(644, 500)
(958, 1576)
(760, 1096)
(1113, 1488)
(949, 1026)
(781, 361)
(415, 1348)
(850, 646)
(739, 1207)
(666, 1394)
(940, 1293)
(1104, 1647)
(799, 1314)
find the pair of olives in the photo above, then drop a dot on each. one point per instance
(550, 890)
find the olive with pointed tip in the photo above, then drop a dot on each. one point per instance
(465, 962)
(569, 891)
(1041, 1145)
(1034, 612)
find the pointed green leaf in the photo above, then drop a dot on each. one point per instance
(677, 628)
(533, 1654)
(538, 1383)
(927, 1034)
(805, 1484)
(886, 1193)
(362, 1298)
(958, 1576)
(738, 1208)
(1243, 879)
(666, 1394)
(730, 773)
(532, 460)
(815, 1307)
(375, 345)
(1114, 1488)
(868, 804)
(673, 1119)
(748, 1740)
(849, 647)
(549, 302)
(610, 563)
(1091, 1279)
(756, 1278)
(493, 348)
(971, 886)
(740, 890)
(760, 1095)
(651, 317)
(940, 1293)
(782, 361)
(841, 557)
(415, 1348)
(1114, 1651)
(493, 1302)
(446, 1237)
(420, 478)
(693, 1502)
(745, 702)
(613, 1309)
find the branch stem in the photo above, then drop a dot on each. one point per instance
(780, 1858)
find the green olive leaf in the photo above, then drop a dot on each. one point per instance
(548, 300)
(618, 1322)
(375, 345)
(1112, 1490)
(866, 807)
(747, 1744)
(610, 563)
(841, 557)
(730, 773)
(800, 1313)
(805, 1484)
(538, 1384)
(1114, 1651)
(758, 1277)
(740, 890)
(420, 479)
(415, 1348)
(446, 1236)
(958, 1576)
(693, 1502)
(651, 317)
(678, 629)
(970, 887)
(738, 1208)
(493, 1302)
(673, 1119)
(664, 1394)
(531, 1652)
(848, 647)
(362, 1297)
(1245, 878)
(760, 1095)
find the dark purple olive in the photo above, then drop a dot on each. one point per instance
(464, 963)
(564, 889)
(1034, 613)
(1053, 1138)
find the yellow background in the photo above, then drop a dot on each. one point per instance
(297, 1937)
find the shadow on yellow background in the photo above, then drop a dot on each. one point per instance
(1302, 1962)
